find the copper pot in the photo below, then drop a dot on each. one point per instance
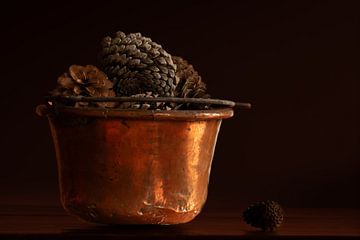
(134, 166)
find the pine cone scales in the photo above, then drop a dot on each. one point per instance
(85, 81)
(138, 65)
(267, 215)
(190, 83)
(145, 105)
(134, 66)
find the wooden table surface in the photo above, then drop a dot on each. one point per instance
(51, 222)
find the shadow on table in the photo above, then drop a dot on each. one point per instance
(156, 232)
(128, 232)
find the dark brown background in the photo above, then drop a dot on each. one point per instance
(296, 61)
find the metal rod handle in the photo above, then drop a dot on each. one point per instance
(157, 99)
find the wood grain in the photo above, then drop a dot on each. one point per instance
(50, 221)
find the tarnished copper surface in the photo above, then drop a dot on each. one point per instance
(139, 167)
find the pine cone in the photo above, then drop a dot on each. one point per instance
(85, 81)
(145, 105)
(190, 83)
(267, 215)
(137, 65)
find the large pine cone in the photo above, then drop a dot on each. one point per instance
(86, 81)
(137, 65)
(145, 105)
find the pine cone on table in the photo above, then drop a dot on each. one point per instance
(86, 81)
(267, 215)
(137, 65)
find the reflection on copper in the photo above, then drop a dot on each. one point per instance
(139, 167)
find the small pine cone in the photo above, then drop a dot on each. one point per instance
(137, 65)
(267, 215)
(86, 81)
(190, 84)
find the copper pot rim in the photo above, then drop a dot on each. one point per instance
(191, 115)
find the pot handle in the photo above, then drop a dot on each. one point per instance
(210, 101)
(42, 110)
